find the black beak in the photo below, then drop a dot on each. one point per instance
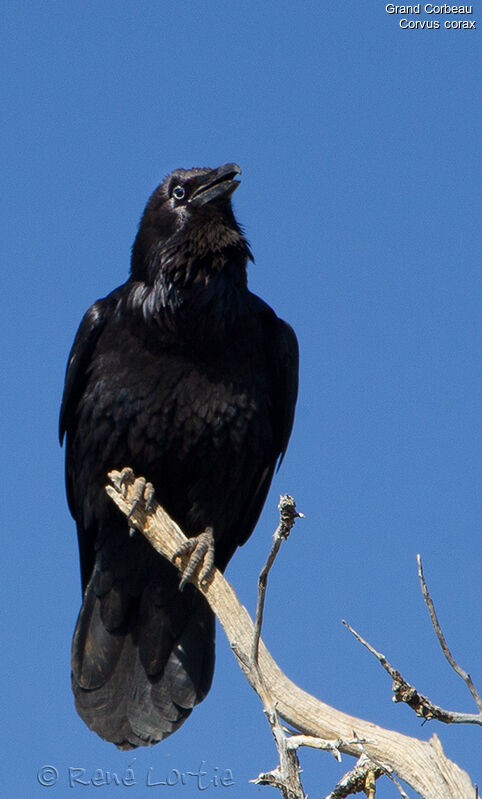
(215, 184)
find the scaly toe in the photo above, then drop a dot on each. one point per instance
(143, 494)
(201, 551)
(126, 479)
(149, 497)
(138, 494)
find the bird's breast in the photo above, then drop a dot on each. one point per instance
(159, 403)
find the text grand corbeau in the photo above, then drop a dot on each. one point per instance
(429, 8)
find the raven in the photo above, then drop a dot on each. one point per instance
(187, 377)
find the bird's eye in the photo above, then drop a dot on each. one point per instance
(178, 192)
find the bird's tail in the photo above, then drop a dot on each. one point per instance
(141, 663)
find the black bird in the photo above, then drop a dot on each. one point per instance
(187, 377)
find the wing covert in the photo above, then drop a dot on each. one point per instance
(85, 340)
(287, 358)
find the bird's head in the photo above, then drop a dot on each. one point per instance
(190, 212)
(194, 188)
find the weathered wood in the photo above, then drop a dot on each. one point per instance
(422, 764)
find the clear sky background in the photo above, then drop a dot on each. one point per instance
(360, 145)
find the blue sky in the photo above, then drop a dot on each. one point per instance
(360, 147)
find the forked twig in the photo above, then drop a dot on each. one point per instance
(438, 631)
(403, 691)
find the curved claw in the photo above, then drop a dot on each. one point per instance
(149, 494)
(143, 493)
(200, 550)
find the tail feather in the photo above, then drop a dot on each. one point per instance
(95, 649)
(137, 684)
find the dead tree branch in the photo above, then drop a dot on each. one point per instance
(288, 516)
(361, 778)
(438, 631)
(421, 764)
(286, 776)
(403, 691)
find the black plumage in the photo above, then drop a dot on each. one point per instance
(189, 378)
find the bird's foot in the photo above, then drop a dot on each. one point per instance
(201, 553)
(143, 493)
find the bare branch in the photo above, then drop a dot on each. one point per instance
(363, 778)
(388, 773)
(286, 776)
(360, 778)
(403, 691)
(288, 516)
(295, 741)
(421, 764)
(435, 622)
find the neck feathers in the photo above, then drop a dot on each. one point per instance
(197, 271)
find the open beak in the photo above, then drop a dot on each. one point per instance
(215, 184)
